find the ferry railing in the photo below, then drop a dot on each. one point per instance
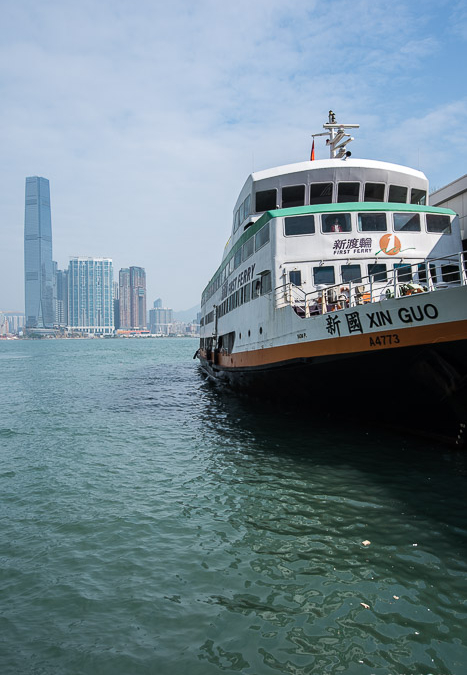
(405, 279)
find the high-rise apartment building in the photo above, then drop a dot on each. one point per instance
(90, 296)
(38, 265)
(116, 297)
(160, 319)
(138, 297)
(61, 303)
(124, 298)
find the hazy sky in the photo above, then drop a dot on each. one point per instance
(147, 116)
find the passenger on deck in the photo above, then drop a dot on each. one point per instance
(335, 227)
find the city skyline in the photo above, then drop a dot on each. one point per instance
(150, 140)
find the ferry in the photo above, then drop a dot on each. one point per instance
(341, 288)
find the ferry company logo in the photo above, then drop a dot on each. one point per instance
(391, 245)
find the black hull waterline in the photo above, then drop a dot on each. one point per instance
(421, 388)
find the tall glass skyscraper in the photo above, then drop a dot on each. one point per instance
(38, 265)
(90, 295)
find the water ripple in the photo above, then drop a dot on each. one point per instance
(154, 523)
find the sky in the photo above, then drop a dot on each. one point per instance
(148, 116)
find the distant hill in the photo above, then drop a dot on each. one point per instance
(187, 315)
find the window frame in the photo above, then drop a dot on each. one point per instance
(401, 187)
(408, 214)
(353, 281)
(324, 283)
(447, 230)
(314, 203)
(370, 213)
(383, 185)
(301, 234)
(289, 187)
(349, 182)
(336, 215)
(259, 192)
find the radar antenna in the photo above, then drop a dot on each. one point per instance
(336, 135)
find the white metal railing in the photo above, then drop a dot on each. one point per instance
(407, 279)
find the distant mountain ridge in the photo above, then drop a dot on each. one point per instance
(187, 315)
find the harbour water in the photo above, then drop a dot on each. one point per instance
(151, 523)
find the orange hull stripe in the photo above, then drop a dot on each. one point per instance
(408, 337)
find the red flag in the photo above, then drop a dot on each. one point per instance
(312, 151)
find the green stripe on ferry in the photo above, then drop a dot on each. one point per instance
(323, 208)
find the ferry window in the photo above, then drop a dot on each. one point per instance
(351, 273)
(323, 275)
(266, 283)
(238, 258)
(377, 271)
(422, 275)
(320, 193)
(417, 196)
(438, 223)
(295, 277)
(246, 206)
(295, 225)
(372, 222)
(247, 293)
(397, 194)
(248, 248)
(348, 192)
(240, 213)
(407, 222)
(336, 222)
(450, 273)
(236, 221)
(266, 200)
(293, 195)
(403, 271)
(255, 288)
(374, 192)
(262, 237)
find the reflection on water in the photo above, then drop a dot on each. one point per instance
(157, 523)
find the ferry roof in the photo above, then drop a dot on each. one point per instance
(332, 164)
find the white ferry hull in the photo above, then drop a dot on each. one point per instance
(407, 361)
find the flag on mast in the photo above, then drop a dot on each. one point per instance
(312, 157)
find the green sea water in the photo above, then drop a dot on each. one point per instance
(152, 523)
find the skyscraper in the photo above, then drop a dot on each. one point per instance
(38, 266)
(160, 318)
(61, 307)
(138, 297)
(90, 296)
(116, 297)
(124, 298)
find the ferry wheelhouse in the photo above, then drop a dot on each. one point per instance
(340, 283)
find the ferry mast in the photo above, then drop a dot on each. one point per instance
(336, 135)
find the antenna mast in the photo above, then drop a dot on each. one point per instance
(336, 134)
